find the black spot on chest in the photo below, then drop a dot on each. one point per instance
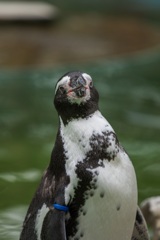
(85, 189)
(105, 146)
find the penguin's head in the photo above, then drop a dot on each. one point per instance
(75, 96)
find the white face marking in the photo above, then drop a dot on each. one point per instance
(74, 99)
(63, 81)
(87, 77)
(39, 220)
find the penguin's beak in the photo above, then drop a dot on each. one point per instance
(78, 87)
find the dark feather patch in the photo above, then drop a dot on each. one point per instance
(54, 226)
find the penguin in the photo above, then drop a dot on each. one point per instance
(89, 190)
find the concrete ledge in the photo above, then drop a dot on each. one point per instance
(27, 11)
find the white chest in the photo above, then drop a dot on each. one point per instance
(109, 211)
(76, 139)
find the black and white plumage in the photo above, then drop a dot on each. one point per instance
(89, 172)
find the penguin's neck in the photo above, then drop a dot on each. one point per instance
(79, 131)
(79, 137)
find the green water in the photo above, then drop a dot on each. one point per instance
(129, 98)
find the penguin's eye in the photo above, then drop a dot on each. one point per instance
(91, 84)
(62, 90)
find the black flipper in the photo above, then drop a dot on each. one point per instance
(140, 231)
(54, 226)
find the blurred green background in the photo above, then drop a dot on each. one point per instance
(118, 44)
